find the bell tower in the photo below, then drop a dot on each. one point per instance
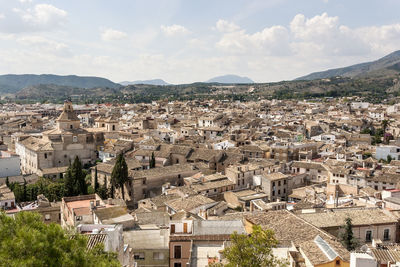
(68, 119)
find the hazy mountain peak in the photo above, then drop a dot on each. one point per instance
(151, 82)
(230, 78)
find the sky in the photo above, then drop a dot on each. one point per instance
(185, 41)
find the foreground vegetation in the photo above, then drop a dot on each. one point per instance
(251, 250)
(26, 241)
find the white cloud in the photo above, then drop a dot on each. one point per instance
(316, 27)
(174, 30)
(45, 45)
(2, 16)
(40, 17)
(25, 1)
(226, 26)
(381, 39)
(323, 34)
(43, 14)
(272, 40)
(112, 35)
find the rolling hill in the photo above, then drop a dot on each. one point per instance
(12, 83)
(385, 66)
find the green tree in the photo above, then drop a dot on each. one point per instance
(7, 182)
(18, 192)
(74, 179)
(69, 182)
(96, 182)
(103, 191)
(79, 177)
(346, 236)
(152, 162)
(119, 175)
(252, 250)
(26, 241)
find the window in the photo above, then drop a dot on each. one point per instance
(78, 218)
(139, 256)
(75, 139)
(368, 236)
(45, 155)
(177, 264)
(386, 235)
(47, 217)
(71, 126)
(284, 181)
(273, 183)
(158, 255)
(177, 252)
(172, 228)
(279, 183)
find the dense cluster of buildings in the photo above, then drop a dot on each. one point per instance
(299, 168)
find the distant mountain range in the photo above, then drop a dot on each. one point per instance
(12, 83)
(385, 66)
(150, 82)
(230, 79)
(226, 79)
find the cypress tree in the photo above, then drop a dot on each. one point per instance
(7, 182)
(119, 175)
(96, 182)
(112, 191)
(152, 162)
(69, 182)
(80, 187)
(346, 236)
(103, 191)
